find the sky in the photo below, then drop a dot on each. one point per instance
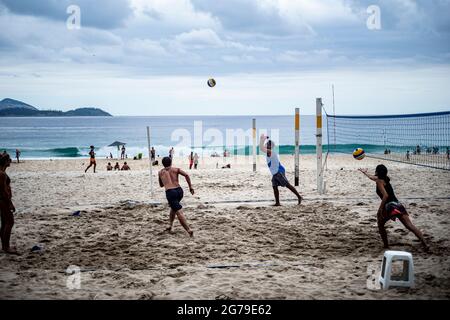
(154, 57)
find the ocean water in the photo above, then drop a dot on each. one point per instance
(71, 137)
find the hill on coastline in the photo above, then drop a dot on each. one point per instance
(15, 108)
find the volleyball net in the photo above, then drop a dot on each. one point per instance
(419, 139)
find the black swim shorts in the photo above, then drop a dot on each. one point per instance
(279, 180)
(174, 197)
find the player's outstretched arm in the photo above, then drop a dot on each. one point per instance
(371, 177)
(188, 180)
(262, 147)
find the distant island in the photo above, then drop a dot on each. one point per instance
(14, 108)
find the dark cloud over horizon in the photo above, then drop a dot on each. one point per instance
(254, 36)
(103, 14)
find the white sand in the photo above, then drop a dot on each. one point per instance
(320, 250)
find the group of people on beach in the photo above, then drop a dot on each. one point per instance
(193, 160)
(109, 167)
(429, 151)
(117, 167)
(18, 153)
(390, 208)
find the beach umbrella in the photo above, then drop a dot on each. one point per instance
(117, 144)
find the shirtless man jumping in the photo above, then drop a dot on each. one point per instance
(168, 178)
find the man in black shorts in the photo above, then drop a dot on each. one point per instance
(276, 169)
(168, 178)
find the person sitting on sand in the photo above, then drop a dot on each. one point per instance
(168, 178)
(390, 208)
(125, 167)
(92, 161)
(278, 172)
(109, 167)
(228, 166)
(6, 206)
(116, 166)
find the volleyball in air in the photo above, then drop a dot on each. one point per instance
(211, 82)
(359, 154)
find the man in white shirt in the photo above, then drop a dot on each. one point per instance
(278, 172)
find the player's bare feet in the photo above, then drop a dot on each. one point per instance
(191, 233)
(276, 205)
(11, 251)
(300, 200)
(426, 248)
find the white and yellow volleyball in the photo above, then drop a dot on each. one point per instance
(359, 154)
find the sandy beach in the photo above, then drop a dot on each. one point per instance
(243, 248)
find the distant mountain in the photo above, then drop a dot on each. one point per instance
(12, 104)
(87, 112)
(15, 108)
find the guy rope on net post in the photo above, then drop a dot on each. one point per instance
(150, 161)
(297, 145)
(254, 143)
(319, 145)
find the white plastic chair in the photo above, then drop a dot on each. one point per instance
(406, 279)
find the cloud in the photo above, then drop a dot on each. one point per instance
(103, 14)
(279, 16)
(145, 47)
(49, 40)
(200, 38)
(172, 15)
(409, 15)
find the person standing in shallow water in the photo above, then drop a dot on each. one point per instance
(168, 179)
(390, 208)
(18, 155)
(6, 205)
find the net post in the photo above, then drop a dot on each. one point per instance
(319, 145)
(297, 145)
(254, 143)
(150, 161)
